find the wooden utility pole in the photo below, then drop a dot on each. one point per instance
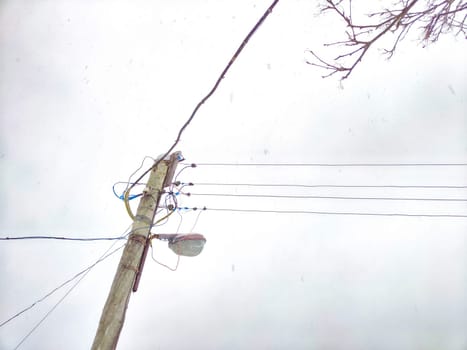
(134, 254)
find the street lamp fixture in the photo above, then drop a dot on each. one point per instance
(185, 245)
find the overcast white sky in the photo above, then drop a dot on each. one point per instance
(87, 89)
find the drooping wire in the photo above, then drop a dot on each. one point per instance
(63, 298)
(181, 217)
(192, 165)
(180, 222)
(204, 99)
(130, 185)
(152, 249)
(164, 265)
(161, 223)
(134, 173)
(165, 217)
(172, 195)
(102, 258)
(121, 196)
(196, 221)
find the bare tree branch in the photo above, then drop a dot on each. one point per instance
(431, 17)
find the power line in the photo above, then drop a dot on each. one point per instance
(332, 213)
(79, 239)
(64, 238)
(334, 164)
(102, 258)
(322, 185)
(84, 273)
(327, 197)
(49, 312)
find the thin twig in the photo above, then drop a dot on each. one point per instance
(434, 19)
